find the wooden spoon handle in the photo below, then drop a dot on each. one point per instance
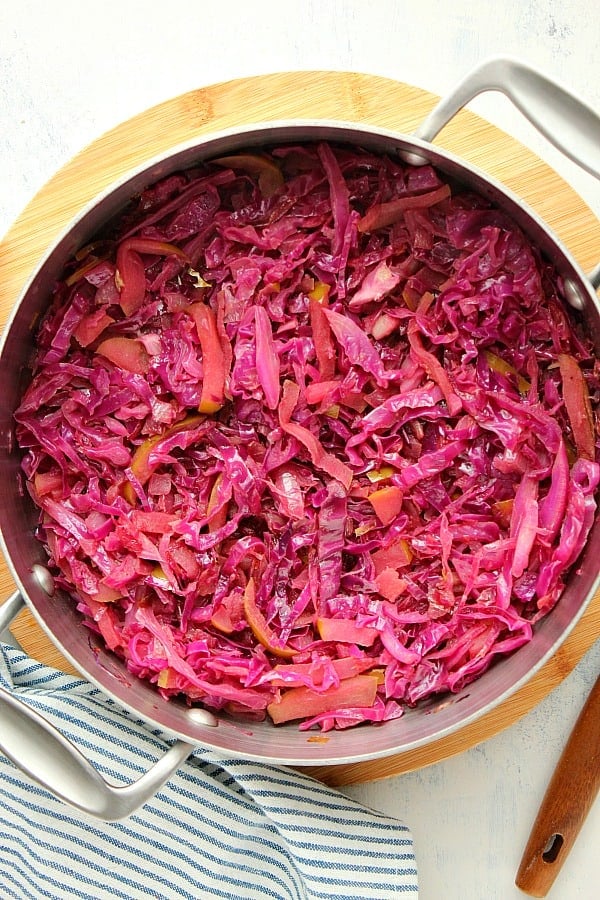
(568, 799)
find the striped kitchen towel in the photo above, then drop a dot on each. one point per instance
(221, 827)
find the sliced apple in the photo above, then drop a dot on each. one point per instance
(214, 371)
(387, 503)
(268, 173)
(127, 353)
(259, 627)
(345, 631)
(302, 702)
(140, 466)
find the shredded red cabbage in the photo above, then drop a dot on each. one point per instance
(312, 435)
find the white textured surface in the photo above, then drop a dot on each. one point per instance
(71, 70)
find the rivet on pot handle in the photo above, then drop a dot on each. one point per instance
(570, 125)
(39, 750)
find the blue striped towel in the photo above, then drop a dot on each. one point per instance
(221, 827)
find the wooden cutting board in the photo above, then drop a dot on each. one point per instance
(308, 95)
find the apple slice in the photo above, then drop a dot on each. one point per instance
(126, 353)
(140, 466)
(303, 702)
(259, 627)
(345, 631)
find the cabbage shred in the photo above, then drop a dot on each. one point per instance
(311, 435)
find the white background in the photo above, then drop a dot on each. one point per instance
(71, 70)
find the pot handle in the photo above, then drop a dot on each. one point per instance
(570, 125)
(39, 750)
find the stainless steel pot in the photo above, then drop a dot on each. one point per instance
(28, 739)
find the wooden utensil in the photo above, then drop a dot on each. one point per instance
(568, 799)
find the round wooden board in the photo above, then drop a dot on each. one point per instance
(341, 96)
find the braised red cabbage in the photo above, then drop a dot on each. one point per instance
(312, 435)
